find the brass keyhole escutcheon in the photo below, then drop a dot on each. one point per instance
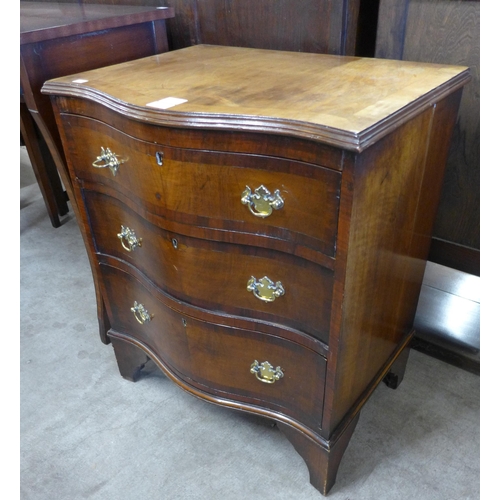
(262, 202)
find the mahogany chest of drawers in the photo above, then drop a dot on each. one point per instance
(257, 223)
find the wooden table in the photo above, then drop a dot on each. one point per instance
(58, 39)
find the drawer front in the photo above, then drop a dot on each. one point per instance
(218, 359)
(214, 190)
(215, 275)
(138, 177)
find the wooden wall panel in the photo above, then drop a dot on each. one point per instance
(391, 28)
(320, 26)
(445, 31)
(313, 26)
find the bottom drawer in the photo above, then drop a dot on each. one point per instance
(218, 359)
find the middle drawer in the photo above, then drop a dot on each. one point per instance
(234, 279)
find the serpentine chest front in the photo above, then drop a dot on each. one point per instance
(257, 223)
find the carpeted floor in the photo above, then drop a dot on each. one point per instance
(86, 433)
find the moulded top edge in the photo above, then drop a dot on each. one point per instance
(343, 101)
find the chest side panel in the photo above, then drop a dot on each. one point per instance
(396, 187)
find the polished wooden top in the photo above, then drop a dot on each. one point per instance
(345, 101)
(46, 20)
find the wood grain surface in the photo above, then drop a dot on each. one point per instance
(215, 275)
(446, 32)
(302, 94)
(347, 321)
(204, 189)
(215, 358)
(41, 21)
(321, 26)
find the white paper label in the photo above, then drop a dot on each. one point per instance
(168, 102)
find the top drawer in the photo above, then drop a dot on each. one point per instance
(218, 191)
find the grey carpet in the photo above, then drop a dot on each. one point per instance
(86, 433)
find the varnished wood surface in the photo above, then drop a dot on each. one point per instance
(386, 183)
(313, 26)
(215, 275)
(322, 461)
(60, 56)
(49, 51)
(237, 141)
(53, 194)
(205, 188)
(41, 21)
(217, 359)
(220, 318)
(216, 141)
(321, 26)
(129, 358)
(59, 39)
(391, 30)
(378, 260)
(451, 33)
(299, 94)
(387, 253)
(446, 31)
(462, 258)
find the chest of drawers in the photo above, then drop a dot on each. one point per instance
(257, 223)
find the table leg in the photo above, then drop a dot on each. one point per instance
(54, 196)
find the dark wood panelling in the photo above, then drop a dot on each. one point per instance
(450, 31)
(314, 26)
(319, 26)
(391, 28)
(444, 31)
(460, 257)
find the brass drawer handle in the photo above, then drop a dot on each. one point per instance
(128, 239)
(265, 289)
(262, 202)
(140, 313)
(265, 372)
(108, 159)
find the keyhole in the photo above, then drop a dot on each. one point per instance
(175, 243)
(159, 158)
